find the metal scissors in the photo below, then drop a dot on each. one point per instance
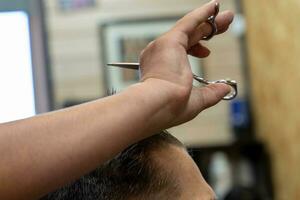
(212, 23)
(231, 83)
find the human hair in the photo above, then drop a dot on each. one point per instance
(132, 174)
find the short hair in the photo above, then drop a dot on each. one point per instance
(134, 173)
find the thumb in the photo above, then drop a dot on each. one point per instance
(202, 98)
(210, 95)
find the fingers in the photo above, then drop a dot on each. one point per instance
(191, 21)
(198, 50)
(210, 95)
(193, 27)
(223, 21)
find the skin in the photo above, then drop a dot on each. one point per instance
(42, 153)
(191, 183)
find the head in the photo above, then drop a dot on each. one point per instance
(158, 167)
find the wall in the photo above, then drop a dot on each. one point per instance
(74, 42)
(274, 49)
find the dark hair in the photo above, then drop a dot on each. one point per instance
(132, 173)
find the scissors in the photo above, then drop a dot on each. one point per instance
(231, 83)
(212, 23)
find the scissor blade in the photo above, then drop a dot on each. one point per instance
(134, 66)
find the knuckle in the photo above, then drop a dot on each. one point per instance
(177, 38)
(142, 54)
(145, 50)
(158, 46)
(166, 41)
(150, 47)
(150, 44)
(209, 194)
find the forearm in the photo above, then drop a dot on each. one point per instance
(44, 152)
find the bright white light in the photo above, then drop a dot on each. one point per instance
(16, 80)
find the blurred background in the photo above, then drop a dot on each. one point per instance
(54, 55)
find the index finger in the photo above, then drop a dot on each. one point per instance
(192, 20)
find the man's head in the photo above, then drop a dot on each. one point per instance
(158, 167)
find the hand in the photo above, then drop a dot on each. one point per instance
(164, 63)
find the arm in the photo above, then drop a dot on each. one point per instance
(44, 152)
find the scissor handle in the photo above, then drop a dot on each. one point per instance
(212, 23)
(233, 85)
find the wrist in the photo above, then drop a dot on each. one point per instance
(161, 102)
